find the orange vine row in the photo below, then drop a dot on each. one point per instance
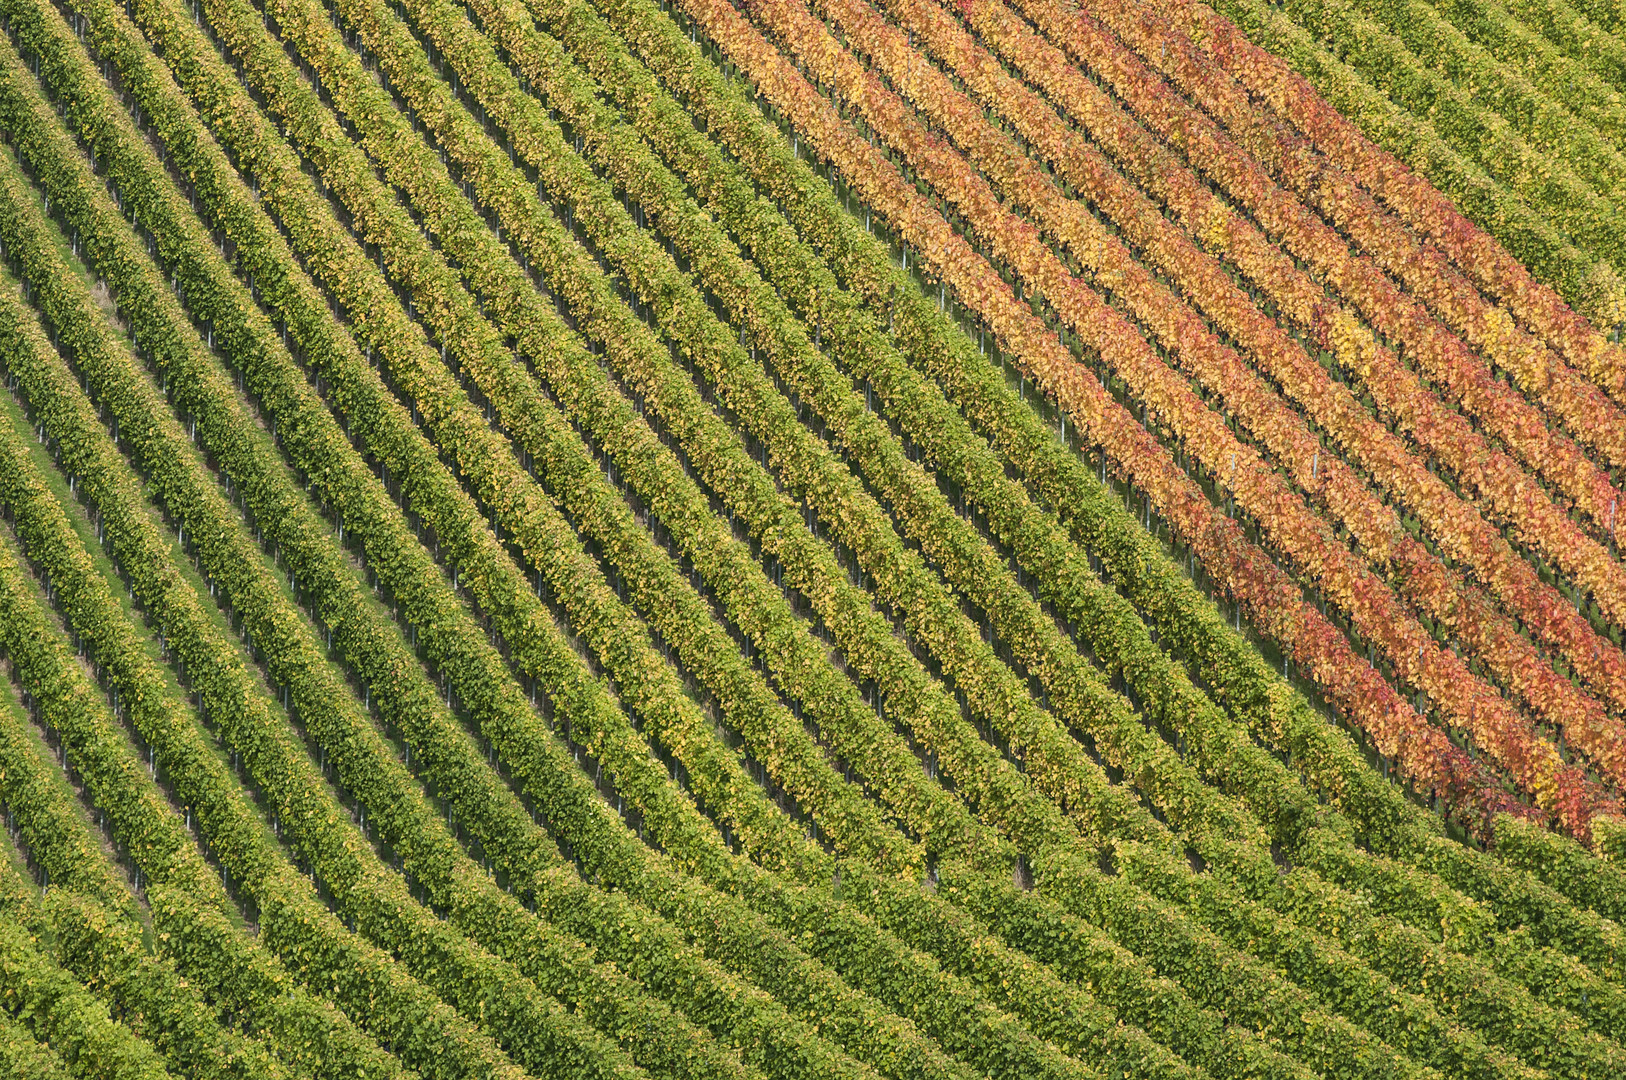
(1439, 591)
(1273, 601)
(1225, 55)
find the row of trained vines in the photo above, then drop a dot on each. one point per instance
(873, 539)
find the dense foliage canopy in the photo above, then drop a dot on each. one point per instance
(813, 538)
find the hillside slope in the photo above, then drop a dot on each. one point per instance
(854, 539)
